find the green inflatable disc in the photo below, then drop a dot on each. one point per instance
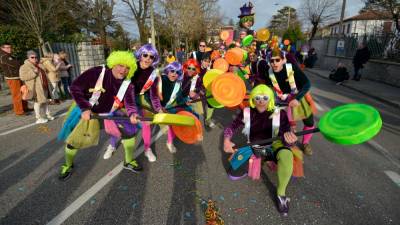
(247, 40)
(213, 102)
(245, 55)
(350, 124)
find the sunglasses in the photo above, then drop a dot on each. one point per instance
(33, 57)
(275, 60)
(202, 46)
(261, 97)
(145, 55)
(192, 68)
(172, 71)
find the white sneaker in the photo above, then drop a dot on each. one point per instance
(41, 120)
(211, 124)
(150, 156)
(171, 147)
(50, 118)
(109, 152)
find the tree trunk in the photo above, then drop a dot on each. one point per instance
(142, 34)
(314, 30)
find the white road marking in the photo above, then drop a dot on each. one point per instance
(384, 152)
(393, 176)
(26, 126)
(74, 206)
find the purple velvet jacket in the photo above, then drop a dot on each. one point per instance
(199, 88)
(260, 125)
(80, 91)
(139, 79)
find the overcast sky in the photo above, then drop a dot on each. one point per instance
(264, 9)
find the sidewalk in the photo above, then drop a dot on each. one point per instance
(8, 120)
(379, 91)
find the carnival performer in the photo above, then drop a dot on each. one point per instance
(247, 18)
(172, 96)
(291, 86)
(192, 85)
(145, 81)
(259, 122)
(208, 110)
(94, 91)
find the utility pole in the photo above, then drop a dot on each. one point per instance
(153, 33)
(341, 30)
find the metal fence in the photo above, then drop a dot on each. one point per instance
(348, 46)
(73, 57)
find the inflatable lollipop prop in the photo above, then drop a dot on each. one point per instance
(348, 124)
(189, 134)
(228, 89)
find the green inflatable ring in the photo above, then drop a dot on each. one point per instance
(350, 124)
(247, 40)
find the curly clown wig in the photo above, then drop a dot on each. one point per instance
(148, 49)
(191, 62)
(122, 58)
(174, 66)
(263, 89)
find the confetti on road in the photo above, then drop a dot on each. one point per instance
(177, 165)
(21, 189)
(253, 200)
(236, 194)
(188, 215)
(360, 196)
(240, 210)
(303, 197)
(123, 187)
(134, 205)
(221, 198)
(44, 129)
(92, 201)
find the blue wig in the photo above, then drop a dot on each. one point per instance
(174, 66)
(148, 49)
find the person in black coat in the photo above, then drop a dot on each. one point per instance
(339, 74)
(361, 57)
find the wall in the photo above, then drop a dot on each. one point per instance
(377, 70)
(90, 55)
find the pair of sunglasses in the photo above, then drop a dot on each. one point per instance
(202, 46)
(173, 71)
(145, 55)
(191, 68)
(261, 97)
(275, 60)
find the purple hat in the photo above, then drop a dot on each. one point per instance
(246, 10)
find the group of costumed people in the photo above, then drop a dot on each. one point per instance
(131, 86)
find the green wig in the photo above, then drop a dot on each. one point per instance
(244, 19)
(263, 89)
(125, 58)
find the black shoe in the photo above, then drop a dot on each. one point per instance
(283, 205)
(65, 172)
(133, 166)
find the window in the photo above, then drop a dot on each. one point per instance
(348, 28)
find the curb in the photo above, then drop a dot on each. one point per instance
(361, 91)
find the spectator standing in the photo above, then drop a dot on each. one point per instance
(10, 67)
(198, 55)
(64, 69)
(53, 76)
(309, 62)
(170, 58)
(361, 57)
(35, 78)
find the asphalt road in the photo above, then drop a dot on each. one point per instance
(342, 184)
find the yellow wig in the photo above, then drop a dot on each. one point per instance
(125, 58)
(263, 89)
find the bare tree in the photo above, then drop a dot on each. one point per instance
(392, 7)
(34, 15)
(318, 12)
(101, 17)
(140, 12)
